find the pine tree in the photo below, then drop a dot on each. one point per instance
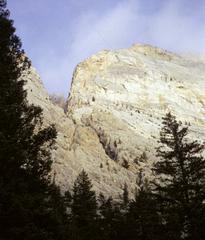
(125, 196)
(83, 209)
(112, 221)
(180, 181)
(106, 217)
(143, 219)
(26, 193)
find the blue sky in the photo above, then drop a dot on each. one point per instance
(58, 34)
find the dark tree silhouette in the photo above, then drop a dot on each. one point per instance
(180, 180)
(26, 193)
(112, 221)
(125, 196)
(143, 219)
(83, 209)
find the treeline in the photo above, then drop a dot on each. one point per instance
(32, 206)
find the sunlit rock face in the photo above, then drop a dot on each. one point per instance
(114, 112)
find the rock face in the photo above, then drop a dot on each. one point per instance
(111, 124)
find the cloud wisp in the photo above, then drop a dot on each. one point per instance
(125, 24)
(174, 25)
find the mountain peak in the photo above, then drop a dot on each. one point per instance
(114, 113)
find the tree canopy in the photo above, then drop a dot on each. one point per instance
(26, 192)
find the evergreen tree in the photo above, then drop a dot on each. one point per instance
(83, 209)
(180, 181)
(106, 217)
(125, 197)
(26, 193)
(112, 222)
(143, 219)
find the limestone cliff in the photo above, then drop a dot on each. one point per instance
(114, 112)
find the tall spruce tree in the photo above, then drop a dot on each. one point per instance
(26, 194)
(83, 209)
(112, 221)
(180, 181)
(143, 217)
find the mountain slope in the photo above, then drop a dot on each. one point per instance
(114, 112)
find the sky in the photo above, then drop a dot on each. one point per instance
(58, 34)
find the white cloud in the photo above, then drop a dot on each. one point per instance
(169, 27)
(94, 32)
(177, 30)
(111, 30)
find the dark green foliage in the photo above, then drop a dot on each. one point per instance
(30, 206)
(107, 217)
(180, 179)
(83, 209)
(22, 138)
(125, 196)
(111, 221)
(143, 219)
(84, 205)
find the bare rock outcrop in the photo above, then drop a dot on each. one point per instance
(114, 110)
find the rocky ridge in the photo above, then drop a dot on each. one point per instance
(111, 124)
